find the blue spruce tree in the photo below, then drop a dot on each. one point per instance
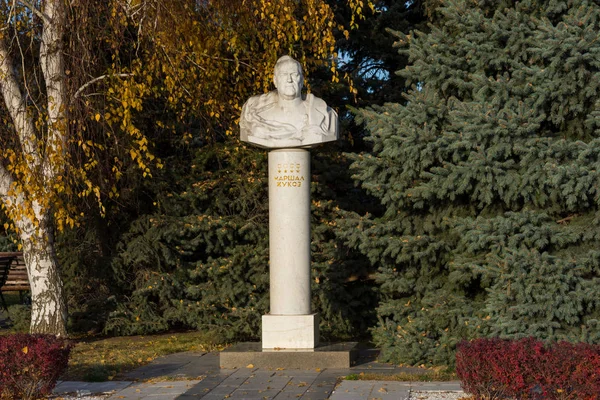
(489, 176)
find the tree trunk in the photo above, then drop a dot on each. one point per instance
(48, 309)
(30, 212)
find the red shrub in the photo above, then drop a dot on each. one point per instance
(30, 365)
(527, 369)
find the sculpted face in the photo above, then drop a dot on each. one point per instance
(288, 80)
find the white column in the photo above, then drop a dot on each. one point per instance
(289, 231)
(290, 323)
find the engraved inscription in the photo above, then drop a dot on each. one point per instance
(289, 175)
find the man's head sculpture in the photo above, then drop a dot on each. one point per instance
(288, 78)
(284, 118)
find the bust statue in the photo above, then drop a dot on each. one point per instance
(285, 118)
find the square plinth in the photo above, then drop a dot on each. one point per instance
(290, 331)
(241, 355)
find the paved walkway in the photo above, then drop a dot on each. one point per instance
(186, 376)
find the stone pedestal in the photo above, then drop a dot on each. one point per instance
(338, 356)
(291, 323)
(290, 332)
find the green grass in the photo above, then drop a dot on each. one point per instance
(11, 298)
(97, 360)
(429, 375)
(19, 314)
(101, 359)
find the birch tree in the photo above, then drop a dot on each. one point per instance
(76, 76)
(35, 147)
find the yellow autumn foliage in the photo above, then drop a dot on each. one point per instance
(187, 67)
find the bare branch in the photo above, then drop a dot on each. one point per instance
(172, 66)
(233, 60)
(10, 12)
(35, 10)
(195, 63)
(91, 82)
(565, 220)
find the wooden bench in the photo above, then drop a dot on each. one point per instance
(13, 274)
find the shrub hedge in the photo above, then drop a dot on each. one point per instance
(30, 365)
(528, 369)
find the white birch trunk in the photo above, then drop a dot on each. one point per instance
(53, 68)
(48, 306)
(49, 312)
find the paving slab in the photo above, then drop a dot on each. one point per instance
(315, 396)
(256, 383)
(291, 394)
(253, 394)
(295, 387)
(211, 382)
(187, 396)
(200, 364)
(205, 386)
(287, 396)
(322, 386)
(368, 390)
(154, 390)
(222, 391)
(64, 387)
(363, 390)
(437, 386)
(234, 381)
(164, 366)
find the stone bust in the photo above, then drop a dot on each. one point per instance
(284, 117)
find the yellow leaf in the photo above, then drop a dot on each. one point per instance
(97, 117)
(25, 350)
(250, 366)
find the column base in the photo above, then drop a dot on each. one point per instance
(290, 332)
(335, 356)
